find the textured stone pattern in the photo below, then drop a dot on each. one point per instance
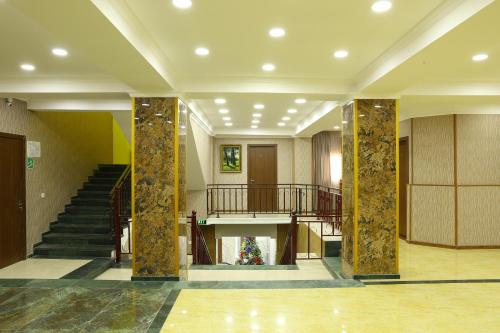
(156, 229)
(182, 190)
(348, 187)
(64, 165)
(377, 187)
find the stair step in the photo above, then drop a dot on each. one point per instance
(80, 228)
(84, 218)
(332, 248)
(78, 238)
(93, 194)
(69, 250)
(98, 210)
(102, 180)
(108, 174)
(112, 167)
(97, 186)
(97, 202)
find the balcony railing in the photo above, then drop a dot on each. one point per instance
(256, 199)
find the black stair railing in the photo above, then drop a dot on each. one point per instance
(120, 201)
(199, 248)
(289, 256)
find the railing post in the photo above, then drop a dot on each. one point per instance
(293, 234)
(117, 224)
(194, 238)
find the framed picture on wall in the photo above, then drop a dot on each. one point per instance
(230, 158)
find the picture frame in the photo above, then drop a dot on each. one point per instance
(230, 158)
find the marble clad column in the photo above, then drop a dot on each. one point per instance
(369, 189)
(158, 193)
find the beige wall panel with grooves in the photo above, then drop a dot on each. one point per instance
(433, 158)
(433, 214)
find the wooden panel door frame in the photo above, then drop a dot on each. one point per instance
(249, 183)
(403, 187)
(23, 187)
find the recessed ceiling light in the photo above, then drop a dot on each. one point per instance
(254, 126)
(183, 4)
(202, 51)
(257, 115)
(300, 100)
(340, 54)
(281, 124)
(59, 52)
(28, 67)
(285, 118)
(223, 111)
(277, 32)
(220, 101)
(381, 6)
(292, 111)
(268, 67)
(256, 121)
(259, 106)
(480, 57)
(336, 127)
(226, 118)
(344, 121)
(183, 126)
(228, 124)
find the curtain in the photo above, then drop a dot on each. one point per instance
(327, 158)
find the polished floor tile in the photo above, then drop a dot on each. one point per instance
(121, 274)
(375, 309)
(38, 268)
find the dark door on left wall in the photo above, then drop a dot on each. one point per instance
(12, 199)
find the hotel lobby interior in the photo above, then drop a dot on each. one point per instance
(263, 166)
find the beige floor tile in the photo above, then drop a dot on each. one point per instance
(34, 268)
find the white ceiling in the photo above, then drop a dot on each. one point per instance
(122, 48)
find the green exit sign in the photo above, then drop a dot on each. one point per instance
(202, 221)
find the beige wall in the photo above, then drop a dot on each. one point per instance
(302, 155)
(72, 144)
(471, 186)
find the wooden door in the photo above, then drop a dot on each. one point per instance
(12, 199)
(262, 178)
(403, 182)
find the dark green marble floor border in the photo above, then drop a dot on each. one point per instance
(244, 267)
(90, 270)
(375, 283)
(165, 309)
(333, 266)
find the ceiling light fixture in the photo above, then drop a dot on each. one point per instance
(257, 115)
(286, 118)
(220, 101)
(292, 111)
(182, 4)
(259, 106)
(344, 121)
(202, 51)
(277, 32)
(226, 118)
(28, 67)
(341, 54)
(223, 111)
(228, 124)
(59, 52)
(268, 67)
(336, 127)
(300, 100)
(256, 121)
(254, 126)
(480, 57)
(281, 124)
(381, 6)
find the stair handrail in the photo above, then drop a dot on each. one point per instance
(116, 208)
(199, 248)
(289, 256)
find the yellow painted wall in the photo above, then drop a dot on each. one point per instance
(121, 147)
(90, 132)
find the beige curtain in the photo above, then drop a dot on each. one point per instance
(326, 156)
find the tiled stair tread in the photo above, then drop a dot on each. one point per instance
(83, 236)
(81, 225)
(75, 246)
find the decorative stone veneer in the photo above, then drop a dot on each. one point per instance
(156, 188)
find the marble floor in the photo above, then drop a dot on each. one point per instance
(430, 308)
(37, 268)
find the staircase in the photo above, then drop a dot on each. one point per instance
(84, 229)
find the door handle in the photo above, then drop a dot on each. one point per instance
(251, 180)
(20, 205)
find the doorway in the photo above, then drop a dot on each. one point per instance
(262, 178)
(12, 199)
(403, 182)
